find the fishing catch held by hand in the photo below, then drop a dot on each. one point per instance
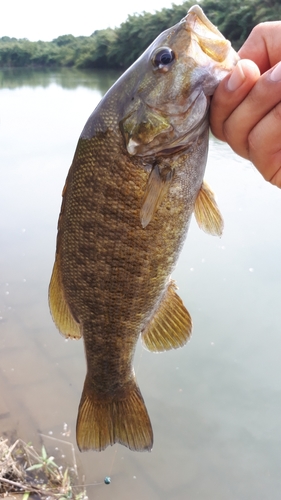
(135, 180)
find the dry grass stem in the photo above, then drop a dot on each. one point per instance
(23, 470)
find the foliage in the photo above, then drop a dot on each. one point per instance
(118, 48)
(139, 31)
(20, 53)
(96, 51)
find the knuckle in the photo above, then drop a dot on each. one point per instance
(276, 179)
(266, 161)
(235, 139)
(217, 130)
(252, 143)
(228, 132)
(277, 113)
(260, 29)
(255, 155)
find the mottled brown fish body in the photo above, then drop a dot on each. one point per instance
(122, 225)
(114, 272)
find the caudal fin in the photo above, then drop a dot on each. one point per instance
(101, 423)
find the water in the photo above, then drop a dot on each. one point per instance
(215, 405)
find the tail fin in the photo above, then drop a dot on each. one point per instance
(101, 423)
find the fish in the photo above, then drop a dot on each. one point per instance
(134, 183)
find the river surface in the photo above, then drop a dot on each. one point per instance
(215, 405)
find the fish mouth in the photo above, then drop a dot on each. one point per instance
(210, 40)
(195, 12)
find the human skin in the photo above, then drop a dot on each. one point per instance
(246, 107)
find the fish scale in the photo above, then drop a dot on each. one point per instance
(135, 180)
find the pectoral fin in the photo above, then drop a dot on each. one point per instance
(155, 191)
(206, 212)
(60, 311)
(170, 326)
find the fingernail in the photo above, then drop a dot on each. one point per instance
(236, 79)
(275, 74)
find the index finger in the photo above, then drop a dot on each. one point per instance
(263, 45)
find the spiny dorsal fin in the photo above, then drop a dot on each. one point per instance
(60, 311)
(207, 213)
(170, 326)
(155, 191)
(102, 421)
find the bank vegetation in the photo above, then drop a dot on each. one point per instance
(119, 47)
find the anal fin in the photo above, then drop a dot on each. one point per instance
(102, 421)
(60, 311)
(170, 326)
(206, 211)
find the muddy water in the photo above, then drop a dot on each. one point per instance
(215, 405)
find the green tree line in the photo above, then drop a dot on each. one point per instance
(119, 47)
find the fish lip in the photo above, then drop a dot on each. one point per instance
(198, 12)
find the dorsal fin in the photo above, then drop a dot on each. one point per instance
(170, 326)
(206, 211)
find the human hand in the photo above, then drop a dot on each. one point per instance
(246, 107)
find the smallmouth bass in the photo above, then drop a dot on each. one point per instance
(135, 180)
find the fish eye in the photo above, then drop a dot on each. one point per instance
(163, 57)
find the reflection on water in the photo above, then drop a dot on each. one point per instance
(66, 78)
(215, 405)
